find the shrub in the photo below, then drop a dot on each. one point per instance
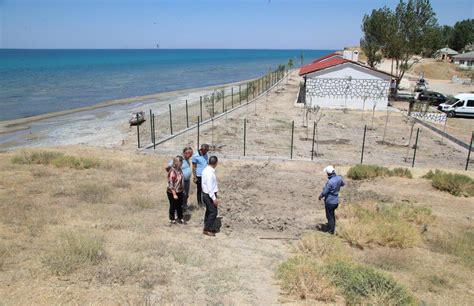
(321, 246)
(40, 158)
(74, 250)
(93, 193)
(300, 277)
(364, 285)
(455, 184)
(382, 226)
(54, 158)
(362, 172)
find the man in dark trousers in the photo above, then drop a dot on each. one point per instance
(330, 195)
(199, 163)
(209, 196)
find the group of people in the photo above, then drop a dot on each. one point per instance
(201, 168)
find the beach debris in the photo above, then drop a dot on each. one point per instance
(137, 118)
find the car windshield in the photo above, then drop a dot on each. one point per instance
(451, 101)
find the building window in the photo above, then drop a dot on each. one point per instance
(461, 62)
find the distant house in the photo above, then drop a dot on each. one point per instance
(464, 60)
(334, 81)
(445, 54)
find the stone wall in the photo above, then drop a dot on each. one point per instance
(347, 93)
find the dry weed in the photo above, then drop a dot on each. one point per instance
(73, 250)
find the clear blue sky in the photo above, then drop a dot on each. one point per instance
(259, 24)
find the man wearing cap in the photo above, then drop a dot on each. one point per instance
(331, 196)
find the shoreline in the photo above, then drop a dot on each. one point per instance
(21, 124)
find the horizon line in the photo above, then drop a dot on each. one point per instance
(300, 49)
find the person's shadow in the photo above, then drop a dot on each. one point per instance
(218, 224)
(322, 227)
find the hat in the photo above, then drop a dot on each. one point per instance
(329, 170)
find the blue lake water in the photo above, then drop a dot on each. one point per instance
(34, 82)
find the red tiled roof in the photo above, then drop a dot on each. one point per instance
(327, 57)
(328, 62)
(319, 65)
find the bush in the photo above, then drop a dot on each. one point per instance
(74, 250)
(382, 226)
(300, 277)
(362, 172)
(455, 184)
(364, 285)
(54, 158)
(321, 246)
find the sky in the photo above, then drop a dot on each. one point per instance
(228, 24)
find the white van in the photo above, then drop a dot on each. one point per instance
(461, 105)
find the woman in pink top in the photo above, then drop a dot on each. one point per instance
(175, 190)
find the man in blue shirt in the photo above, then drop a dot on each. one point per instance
(331, 196)
(199, 160)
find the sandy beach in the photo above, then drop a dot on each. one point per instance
(104, 124)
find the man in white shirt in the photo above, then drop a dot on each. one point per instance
(209, 195)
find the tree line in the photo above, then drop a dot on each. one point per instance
(410, 29)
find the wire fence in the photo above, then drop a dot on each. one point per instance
(252, 126)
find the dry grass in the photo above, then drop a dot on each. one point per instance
(384, 225)
(57, 159)
(74, 250)
(93, 192)
(321, 246)
(460, 245)
(301, 277)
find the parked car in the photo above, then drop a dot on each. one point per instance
(435, 98)
(420, 86)
(460, 105)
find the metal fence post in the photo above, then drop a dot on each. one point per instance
(198, 132)
(200, 107)
(416, 146)
(151, 127)
(154, 136)
(240, 94)
(469, 153)
(232, 96)
(245, 134)
(292, 133)
(312, 145)
(187, 114)
(171, 120)
(363, 145)
(138, 134)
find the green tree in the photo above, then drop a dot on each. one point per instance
(409, 26)
(375, 34)
(290, 65)
(302, 58)
(462, 34)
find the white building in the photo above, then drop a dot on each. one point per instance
(445, 54)
(337, 82)
(464, 60)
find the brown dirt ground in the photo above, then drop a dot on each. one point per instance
(149, 262)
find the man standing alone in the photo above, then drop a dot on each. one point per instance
(209, 196)
(331, 196)
(199, 163)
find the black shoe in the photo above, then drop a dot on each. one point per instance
(208, 233)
